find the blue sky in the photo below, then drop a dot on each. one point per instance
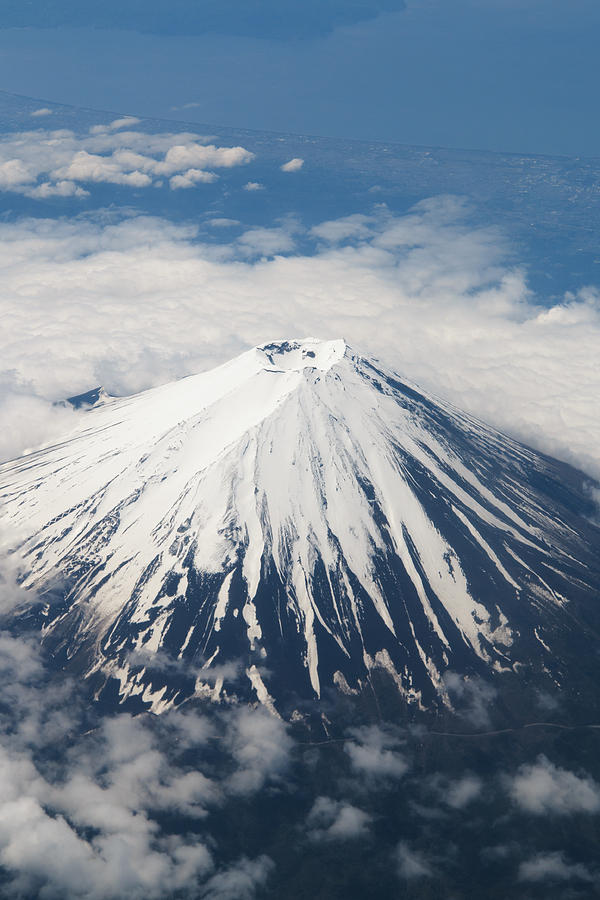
(484, 74)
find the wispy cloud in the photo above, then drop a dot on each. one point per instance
(471, 696)
(553, 867)
(411, 863)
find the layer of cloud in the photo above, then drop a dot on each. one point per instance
(56, 163)
(125, 807)
(545, 789)
(138, 302)
(82, 813)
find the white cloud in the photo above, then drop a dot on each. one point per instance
(86, 166)
(194, 155)
(42, 111)
(193, 105)
(87, 825)
(463, 791)
(471, 696)
(266, 241)
(223, 222)
(293, 165)
(14, 174)
(123, 122)
(254, 186)
(85, 828)
(12, 597)
(135, 303)
(240, 881)
(545, 789)
(192, 177)
(32, 419)
(336, 820)
(373, 753)
(115, 125)
(260, 744)
(47, 163)
(410, 863)
(63, 188)
(553, 867)
(356, 226)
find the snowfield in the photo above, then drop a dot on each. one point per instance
(288, 523)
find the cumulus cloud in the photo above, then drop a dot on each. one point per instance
(542, 788)
(374, 753)
(192, 154)
(51, 163)
(86, 166)
(14, 175)
(293, 165)
(42, 111)
(254, 186)
(336, 820)
(411, 864)
(191, 177)
(86, 827)
(85, 803)
(463, 791)
(260, 744)
(61, 188)
(553, 867)
(138, 302)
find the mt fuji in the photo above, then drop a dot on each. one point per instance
(298, 523)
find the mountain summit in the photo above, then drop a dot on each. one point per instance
(297, 522)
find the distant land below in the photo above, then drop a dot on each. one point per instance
(547, 206)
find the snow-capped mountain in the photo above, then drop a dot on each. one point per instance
(291, 523)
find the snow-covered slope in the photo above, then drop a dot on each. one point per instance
(286, 524)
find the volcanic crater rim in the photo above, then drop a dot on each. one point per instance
(304, 353)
